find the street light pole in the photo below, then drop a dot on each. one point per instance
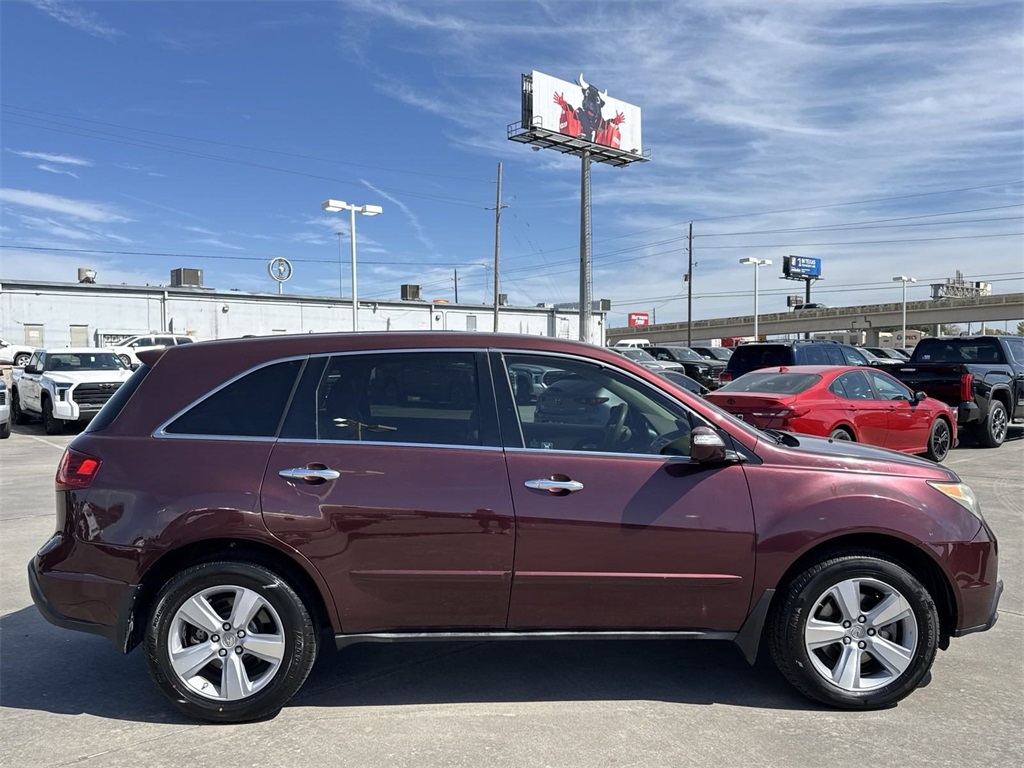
(904, 279)
(333, 206)
(758, 263)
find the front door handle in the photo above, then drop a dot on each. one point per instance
(311, 475)
(554, 486)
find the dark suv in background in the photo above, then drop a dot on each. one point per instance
(773, 354)
(239, 504)
(696, 367)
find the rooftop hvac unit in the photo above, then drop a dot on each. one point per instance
(185, 277)
(503, 299)
(411, 293)
(86, 275)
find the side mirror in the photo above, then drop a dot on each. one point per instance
(919, 396)
(706, 445)
(31, 369)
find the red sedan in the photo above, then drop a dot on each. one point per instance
(845, 403)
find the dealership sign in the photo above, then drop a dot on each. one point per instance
(801, 267)
(637, 319)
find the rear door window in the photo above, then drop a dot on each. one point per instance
(853, 386)
(817, 354)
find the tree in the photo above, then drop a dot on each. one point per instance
(950, 330)
(1020, 328)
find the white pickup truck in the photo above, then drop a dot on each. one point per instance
(65, 385)
(14, 354)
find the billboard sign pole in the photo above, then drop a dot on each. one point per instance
(586, 284)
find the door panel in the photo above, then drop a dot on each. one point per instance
(648, 543)
(407, 537)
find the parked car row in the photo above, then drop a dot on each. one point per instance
(609, 502)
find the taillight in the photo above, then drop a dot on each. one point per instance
(76, 471)
(967, 386)
(724, 377)
(782, 413)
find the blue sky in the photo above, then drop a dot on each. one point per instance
(882, 138)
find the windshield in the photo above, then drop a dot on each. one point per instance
(684, 353)
(775, 383)
(84, 361)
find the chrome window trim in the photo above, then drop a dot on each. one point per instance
(594, 454)
(449, 446)
(161, 431)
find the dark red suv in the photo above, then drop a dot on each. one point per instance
(237, 503)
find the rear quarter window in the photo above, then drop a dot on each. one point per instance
(250, 406)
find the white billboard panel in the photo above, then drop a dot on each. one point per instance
(583, 111)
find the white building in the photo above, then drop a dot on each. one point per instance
(52, 314)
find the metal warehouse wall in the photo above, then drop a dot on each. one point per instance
(57, 314)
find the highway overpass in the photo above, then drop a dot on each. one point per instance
(869, 318)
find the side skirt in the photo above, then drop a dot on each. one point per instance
(343, 641)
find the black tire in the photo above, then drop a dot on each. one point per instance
(841, 433)
(872, 685)
(126, 360)
(284, 613)
(51, 424)
(21, 360)
(18, 416)
(5, 430)
(940, 440)
(992, 433)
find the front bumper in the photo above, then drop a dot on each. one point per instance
(993, 614)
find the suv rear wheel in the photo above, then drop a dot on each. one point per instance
(229, 642)
(855, 631)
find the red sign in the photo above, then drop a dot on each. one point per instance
(639, 319)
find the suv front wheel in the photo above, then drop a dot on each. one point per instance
(229, 642)
(855, 631)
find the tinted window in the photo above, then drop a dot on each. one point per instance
(750, 358)
(84, 361)
(815, 354)
(251, 406)
(591, 408)
(958, 351)
(1016, 349)
(185, 340)
(414, 397)
(779, 383)
(855, 386)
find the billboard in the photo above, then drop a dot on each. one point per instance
(582, 111)
(638, 319)
(801, 266)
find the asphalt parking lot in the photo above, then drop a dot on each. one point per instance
(68, 698)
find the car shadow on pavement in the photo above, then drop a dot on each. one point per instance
(47, 669)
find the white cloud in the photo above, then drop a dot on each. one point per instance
(77, 209)
(84, 21)
(51, 169)
(217, 243)
(43, 265)
(414, 221)
(50, 157)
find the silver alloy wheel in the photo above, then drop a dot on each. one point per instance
(840, 434)
(999, 425)
(226, 643)
(861, 635)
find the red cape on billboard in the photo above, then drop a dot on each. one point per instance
(586, 121)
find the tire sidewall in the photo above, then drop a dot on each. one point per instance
(896, 577)
(300, 638)
(937, 425)
(990, 439)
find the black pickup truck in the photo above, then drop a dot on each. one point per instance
(981, 377)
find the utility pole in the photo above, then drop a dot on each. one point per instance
(456, 285)
(497, 248)
(689, 286)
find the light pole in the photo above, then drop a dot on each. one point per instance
(758, 263)
(904, 279)
(333, 206)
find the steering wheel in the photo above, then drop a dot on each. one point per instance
(616, 428)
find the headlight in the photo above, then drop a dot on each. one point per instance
(962, 494)
(62, 391)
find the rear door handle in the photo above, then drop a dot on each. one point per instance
(554, 486)
(311, 475)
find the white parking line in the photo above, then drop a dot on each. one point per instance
(47, 442)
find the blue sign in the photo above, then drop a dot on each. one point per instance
(801, 266)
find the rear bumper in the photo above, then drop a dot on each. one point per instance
(83, 602)
(968, 413)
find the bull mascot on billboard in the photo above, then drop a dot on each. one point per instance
(587, 122)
